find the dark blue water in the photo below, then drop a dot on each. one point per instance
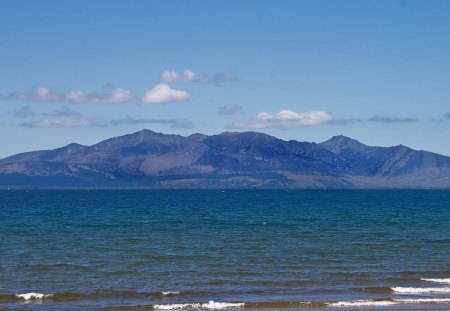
(208, 249)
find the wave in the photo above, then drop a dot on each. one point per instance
(285, 304)
(99, 294)
(389, 302)
(170, 293)
(423, 300)
(214, 305)
(208, 305)
(362, 303)
(33, 296)
(421, 290)
(442, 281)
(378, 290)
(274, 305)
(8, 298)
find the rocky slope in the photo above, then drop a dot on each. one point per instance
(247, 159)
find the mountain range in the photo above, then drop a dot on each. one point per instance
(146, 159)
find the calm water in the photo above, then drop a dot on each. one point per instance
(208, 249)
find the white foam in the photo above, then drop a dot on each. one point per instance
(221, 305)
(208, 305)
(176, 306)
(442, 281)
(33, 296)
(421, 290)
(170, 293)
(424, 300)
(380, 303)
(362, 303)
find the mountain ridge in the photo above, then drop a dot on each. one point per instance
(146, 159)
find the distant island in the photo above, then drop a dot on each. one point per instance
(146, 159)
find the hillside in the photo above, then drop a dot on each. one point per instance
(228, 160)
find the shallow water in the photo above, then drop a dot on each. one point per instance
(211, 249)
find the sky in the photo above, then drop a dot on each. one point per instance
(84, 71)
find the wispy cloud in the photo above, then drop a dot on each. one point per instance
(285, 119)
(38, 94)
(62, 123)
(344, 121)
(383, 119)
(24, 112)
(443, 118)
(63, 111)
(178, 123)
(116, 96)
(163, 93)
(217, 79)
(229, 109)
(172, 76)
(222, 77)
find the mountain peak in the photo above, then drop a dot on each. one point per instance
(342, 139)
(230, 159)
(338, 143)
(145, 133)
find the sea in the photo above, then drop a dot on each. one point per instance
(224, 249)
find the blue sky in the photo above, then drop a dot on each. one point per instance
(83, 71)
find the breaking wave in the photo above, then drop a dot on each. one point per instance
(99, 294)
(421, 290)
(391, 302)
(170, 293)
(33, 296)
(441, 281)
(208, 305)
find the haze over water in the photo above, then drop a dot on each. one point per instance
(209, 249)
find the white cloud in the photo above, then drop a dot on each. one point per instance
(38, 94)
(116, 96)
(189, 75)
(76, 97)
(171, 76)
(285, 119)
(163, 93)
(58, 123)
(43, 93)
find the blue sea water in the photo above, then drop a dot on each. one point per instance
(225, 249)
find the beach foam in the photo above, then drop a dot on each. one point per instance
(421, 290)
(423, 300)
(176, 306)
(442, 281)
(208, 305)
(170, 293)
(33, 296)
(362, 303)
(381, 303)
